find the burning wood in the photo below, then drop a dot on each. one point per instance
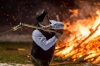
(85, 46)
(92, 32)
(74, 64)
(91, 56)
(80, 43)
(81, 59)
(64, 63)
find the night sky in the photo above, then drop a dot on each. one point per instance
(12, 12)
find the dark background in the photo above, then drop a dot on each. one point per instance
(12, 12)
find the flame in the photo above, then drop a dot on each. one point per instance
(83, 41)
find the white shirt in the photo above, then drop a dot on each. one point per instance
(41, 40)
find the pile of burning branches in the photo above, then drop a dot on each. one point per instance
(83, 43)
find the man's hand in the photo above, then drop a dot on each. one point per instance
(58, 35)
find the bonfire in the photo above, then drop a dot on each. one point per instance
(80, 40)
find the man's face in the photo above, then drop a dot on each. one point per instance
(45, 21)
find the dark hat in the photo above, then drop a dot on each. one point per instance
(40, 15)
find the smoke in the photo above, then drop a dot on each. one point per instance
(82, 9)
(86, 9)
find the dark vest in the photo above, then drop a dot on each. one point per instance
(39, 53)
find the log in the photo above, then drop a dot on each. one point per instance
(74, 64)
(63, 63)
(69, 55)
(93, 31)
(19, 49)
(81, 59)
(82, 42)
(91, 56)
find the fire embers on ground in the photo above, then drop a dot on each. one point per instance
(82, 42)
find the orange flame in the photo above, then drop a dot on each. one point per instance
(82, 41)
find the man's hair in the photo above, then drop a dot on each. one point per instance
(40, 15)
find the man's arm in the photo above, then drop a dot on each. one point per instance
(58, 27)
(56, 24)
(41, 40)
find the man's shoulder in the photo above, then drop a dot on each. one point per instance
(36, 32)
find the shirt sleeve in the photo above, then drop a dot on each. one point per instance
(56, 24)
(41, 40)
